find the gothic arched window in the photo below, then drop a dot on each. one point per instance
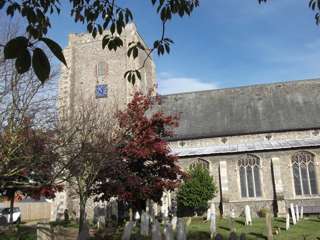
(304, 174)
(200, 162)
(249, 171)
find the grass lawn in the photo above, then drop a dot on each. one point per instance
(306, 229)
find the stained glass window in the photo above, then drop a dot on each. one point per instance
(249, 170)
(304, 175)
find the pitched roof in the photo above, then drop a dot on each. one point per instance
(275, 107)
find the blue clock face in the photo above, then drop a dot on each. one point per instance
(101, 91)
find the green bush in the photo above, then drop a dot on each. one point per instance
(195, 192)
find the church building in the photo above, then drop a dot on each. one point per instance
(260, 143)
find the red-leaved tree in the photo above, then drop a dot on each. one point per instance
(144, 167)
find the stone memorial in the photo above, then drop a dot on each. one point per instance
(168, 232)
(297, 213)
(156, 230)
(232, 217)
(287, 221)
(137, 216)
(126, 235)
(174, 222)
(208, 214)
(181, 230)
(218, 237)
(247, 212)
(293, 215)
(269, 226)
(144, 225)
(213, 227)
(301, 212)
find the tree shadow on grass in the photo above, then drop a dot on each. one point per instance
(198, 235)
(224, 228)
(258, 235)
(280, 220)
(240, 222)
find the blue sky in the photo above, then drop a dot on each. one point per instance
(227, 43)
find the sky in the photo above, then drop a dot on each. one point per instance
(225, 43)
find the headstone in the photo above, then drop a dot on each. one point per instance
(188, 222)
(218, 237)
(155, 230)
(301, 212)
(213, 227)
(293, 215)
(137, 216)
(287, 221)
(243, 236)
(84, 233)
(297, 213)
(126, 235)
(269, 226)
(233, 236)
(232, 217)
(168, 232)
(174, 222)
(181, 230)
(144, 226)
(247, 213)
(208, 214)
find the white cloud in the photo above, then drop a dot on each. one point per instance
(169, 85)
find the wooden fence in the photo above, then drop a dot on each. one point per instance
(31, 211)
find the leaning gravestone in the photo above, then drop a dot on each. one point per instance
(247, 213)
(213, 227)
(168, 232)
(297, 213)
(208, 214)
(287, 221)
(293, 215)
(269, 226)
(155, 230)
(301, 212)
(181, 230)
(232, 217)
(137, 216)
(127, 230)
(174, 222)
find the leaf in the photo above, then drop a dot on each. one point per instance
(15, 47)
(55, 49)
(23, 62)
(40, 65)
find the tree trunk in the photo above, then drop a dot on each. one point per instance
(11, 197)
(82, 218)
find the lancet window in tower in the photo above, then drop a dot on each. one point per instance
(249, 171)
(304, 174)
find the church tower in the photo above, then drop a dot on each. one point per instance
(97, 74)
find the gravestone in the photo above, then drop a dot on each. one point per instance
(126, 235)
(168, 232)
(213, 227)
(84, 233)
(137, 216)
(293, 215)
(301, 212)
(297, 213)
(269, 226)
(233, 236)
(247, 213)
(144, 226)
(243, 236)
(174, 222)
(218, 237)
(232, 217)
(188, 222)
(287, 221)
(181, 230)
(208, 214)
(155, 230)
